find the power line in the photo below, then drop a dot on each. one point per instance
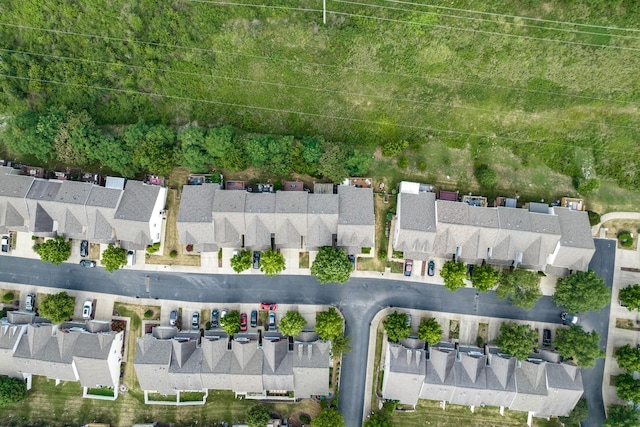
(495, 33)
(302, 113)
(469, 18)
(285, 85)
(318, 64)
(479, 12)
(264, 6)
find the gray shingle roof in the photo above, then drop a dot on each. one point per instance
(42, 190)
(104, 197)
(137, 202)
(196, 203)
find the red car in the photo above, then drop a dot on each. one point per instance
(268, 306)
(243, 322)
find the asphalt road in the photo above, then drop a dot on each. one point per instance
(359, 300)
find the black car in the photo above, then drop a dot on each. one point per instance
(546, 337)
(432, 268)
(214, 318)
(254, 318)
(84, 248)
(256, 259)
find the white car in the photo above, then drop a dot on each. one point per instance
(87, 308)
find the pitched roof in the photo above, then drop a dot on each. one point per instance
(137, 202)
(196, 203)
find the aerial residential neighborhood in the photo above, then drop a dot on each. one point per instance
(366, 213)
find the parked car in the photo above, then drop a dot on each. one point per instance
(254, 318)
(173, 317)
(256, 259)
(243, 322)
(546, 337)
(5, 243)
(408, 266)
(222, 314)
(195, 320)
(352, 260)
(271, 306)
(215, 316)
(131, 258)
(30, 302)
(87, 309)
(84, 249)
(408, 319)
(87, 263)
(568, 319)
(431, 268)
(272, 321)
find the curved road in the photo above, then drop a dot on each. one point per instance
(359, 301)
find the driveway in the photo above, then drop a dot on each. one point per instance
(359, 301)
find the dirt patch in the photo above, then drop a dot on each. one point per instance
(629, 324)
(615, 226)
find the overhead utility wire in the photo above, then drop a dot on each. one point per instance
(285, 85)
(318, 64)
(470, 18)
(265, 6)
(300, 113)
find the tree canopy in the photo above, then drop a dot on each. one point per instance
(379, 419)
(430, 331)
(329, 324)
(628, 388)
(340, 344)
(241, 261)
(453, 274)
(630, 297)
(520, 287)
(517, 340)
(113, 258)
(395, 325)
(628, 358)
(57, 307)
(579, 413)
(328, 418)
(331, 265)
(272, 263)
(230, 323)
(12, 390)
(292, 323)
(581, 292)
(484, 277)
(56, 250)
(258, 416)
(622, 416)
(574, 343)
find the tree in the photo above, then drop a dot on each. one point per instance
(520, 287)
(331, 164)
(379, 419)
(453, 274)
(430, 331)
(292, 323)
(622, 416)
(258, 416)
(12, 390)
(628, 388)
(393, 148)
(113, 258)
(56, 250)
(329, 324)
(396, 326)
(517, 340)
(487, 177)
(331, 266)
(328, 418)
(630, 297)
(241, 261)
(358, 162)
(230, 323)
(340, 345)
(272, 263)
(574, 343)
(484, 277)
(193, 152)
(57, 307)
(581, 292)
(628, 358)
(155, 148)
(577, 415)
